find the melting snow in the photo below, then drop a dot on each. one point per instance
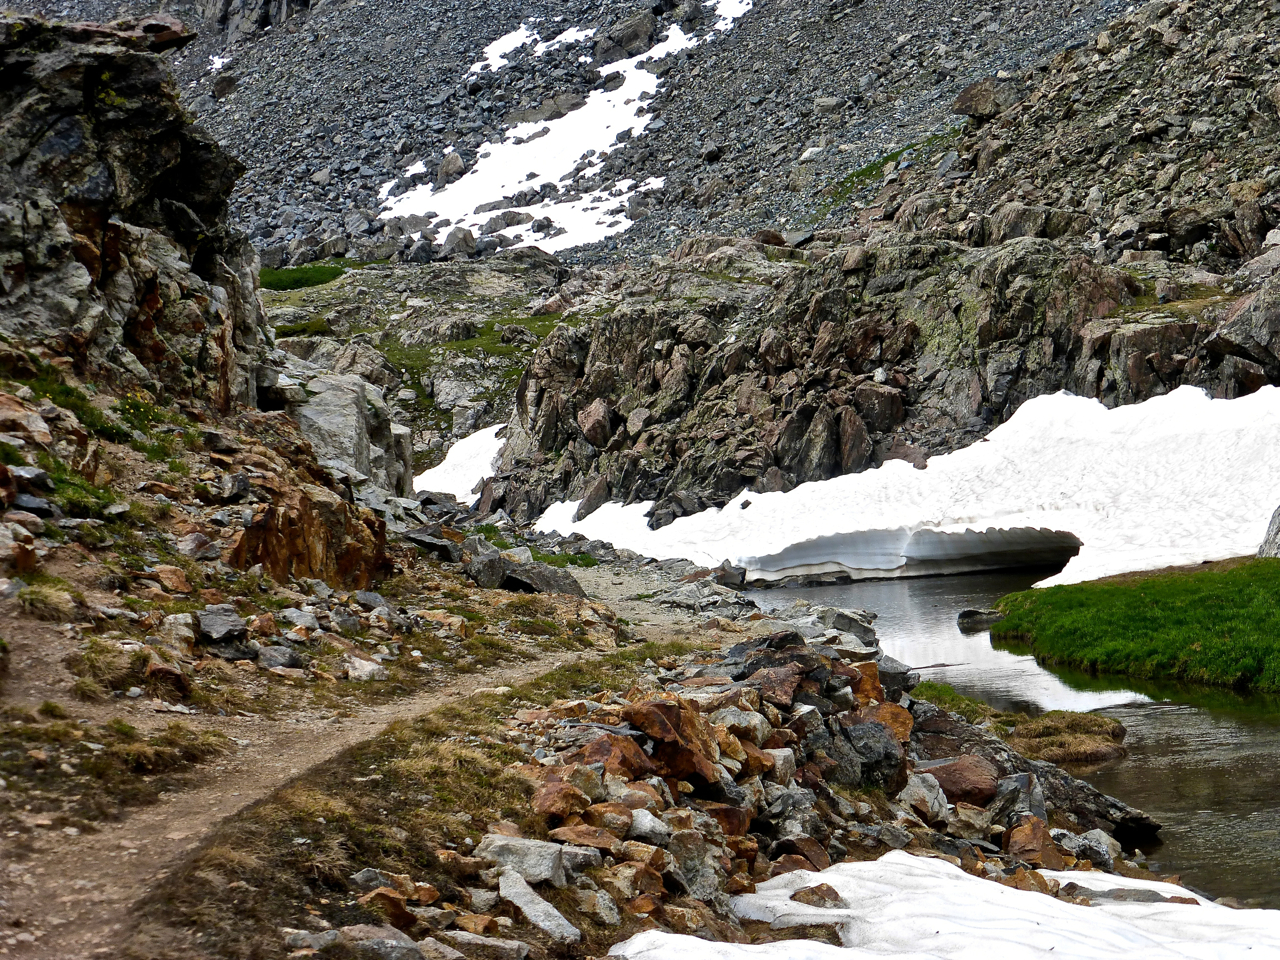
(522, 160)
(911, 908)
(1178, 479)
(495, 54)
(468, 461)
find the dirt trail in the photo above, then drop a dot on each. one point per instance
(74, 893)
(72, 896)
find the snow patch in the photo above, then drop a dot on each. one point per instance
(1178, 479)
(217, 63)
(495, 54)
(540, 152)
(912, 908)
(468, 462)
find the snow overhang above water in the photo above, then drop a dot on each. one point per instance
(911, 908)
(468, 462)
(536, 153)
(1178, 479)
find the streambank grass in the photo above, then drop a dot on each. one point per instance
(1059, 736)
(1218, 625)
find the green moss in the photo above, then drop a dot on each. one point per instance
(73, 493)
(1218, 626)
(317, 327)
(11, 456)
(565, 559)
(295, 278)
(48, 384)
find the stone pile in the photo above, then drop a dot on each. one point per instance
(786, 752)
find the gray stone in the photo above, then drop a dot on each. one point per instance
(299, 618)
(743, 723)
(459, 241)
(196, 546)
(535, 860)
(1097, 846)
(433, 949)
(219, 623)
(599, 905)
(486, 948)
(280, 656)
(648, 828)
(513, 888)
(578, 860)
(370, 879)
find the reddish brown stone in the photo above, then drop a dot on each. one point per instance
(620, 756)
(478, 923)
(589, 837)
(757, 763)
(614, 817)
(777, 685)
(391, 903)
(739, 883)
(969, 779)
(819, 895)
(897, 719)
(1030, 841)
(560, 800)
(684, 742)
(787, 863)
(734, 821)
(806, 847)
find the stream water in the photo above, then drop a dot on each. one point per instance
(1204, 763)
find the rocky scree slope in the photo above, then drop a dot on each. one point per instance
(835, 83)
(1046, 248)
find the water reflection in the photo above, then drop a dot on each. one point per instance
(916, 623)
(1204, 762)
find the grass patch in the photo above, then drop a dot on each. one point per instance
(491, 533)
(80, 772)
(295, 278)
(48, 384)
(11, 456)
(1217, 626)
(317, 327)
(563, 560)
(47, 603)
(1059, 736)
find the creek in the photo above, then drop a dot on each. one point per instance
(1204, 763)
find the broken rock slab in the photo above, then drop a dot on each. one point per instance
(513, 889)
(535, 860)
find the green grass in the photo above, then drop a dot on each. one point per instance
(317, 327)
(48, 384)
(73, 493)
(1218, 626)
(563, 560)
(295, 278)
(11, 456)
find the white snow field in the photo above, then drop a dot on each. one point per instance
(468, 461)
(1178, 479)
(911, 908)
(531, 154)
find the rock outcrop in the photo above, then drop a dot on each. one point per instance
(115, 253)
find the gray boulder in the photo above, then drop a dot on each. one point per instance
(513, 888)
(220, 624)
(535, 860)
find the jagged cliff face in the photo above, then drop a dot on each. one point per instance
(114, 247)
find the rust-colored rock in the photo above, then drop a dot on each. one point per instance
(777, 685)
(734, 821)
(310, 532)
(19, 420)
(614, 817)
(897, 719)
(629, 880)
(969, 779)
(757, 763)
(684, 742)
(620, 756)
(173, 579)
(806, 847)
(787, 863)
(478, 923)
(391, 903)
(820, 895)
(560, 800)
(584, 836)
(1030, 841)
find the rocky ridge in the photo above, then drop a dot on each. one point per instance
(964, 287)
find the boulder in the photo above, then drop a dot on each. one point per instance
(220, 624)
(535, 860)
(513, 888)
(969, 779)
(987, 98)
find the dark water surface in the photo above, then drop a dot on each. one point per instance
(1204, 763)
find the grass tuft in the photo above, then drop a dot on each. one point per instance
(47, 603)
(295, 278)
(1217, 626)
